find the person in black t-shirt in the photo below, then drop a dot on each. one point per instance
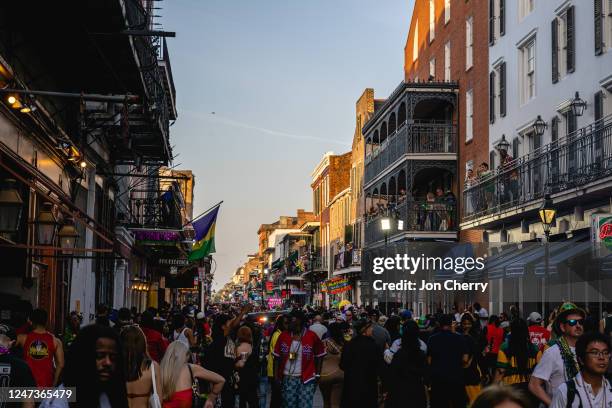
(447, 353)
(14, 372)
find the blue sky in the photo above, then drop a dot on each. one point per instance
(282, 78)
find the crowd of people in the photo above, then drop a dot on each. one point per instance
(225, 357)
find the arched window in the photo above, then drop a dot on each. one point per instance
(392, 190)
(392, 124)
(402, 194)
(376, 139)
(401, 114)
(383, 132)
(368, 146)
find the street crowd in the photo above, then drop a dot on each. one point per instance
(227, 356)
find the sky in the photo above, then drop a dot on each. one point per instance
(264, 89)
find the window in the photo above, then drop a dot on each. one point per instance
(432, 21)
(447, 61)
(492, 160)
(497, 92)
(415, 42)
(515, 147)
(469, 114)
(497, 20)
(469, 42)
(446, 11)
(525, 8)
(492, 96)
(562, 47)
(432, 68)
(528, 66)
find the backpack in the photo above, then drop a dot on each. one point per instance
(571, 393)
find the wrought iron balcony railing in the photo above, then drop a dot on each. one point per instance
(428, 137)
(582, 157)
(418, 216)
(346, 259)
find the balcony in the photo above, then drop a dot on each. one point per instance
(422, 219)
(582, 160)
(420, 139)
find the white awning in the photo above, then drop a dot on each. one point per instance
(293, 278)
(351, 269)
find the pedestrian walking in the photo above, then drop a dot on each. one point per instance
(407, 371)
(495, 337)
(471, 372)
(318, 327)
(332, 377)
(142, 373)
(361, 362)
(538, 334)
(73, 325)
(156, 343)
(589, 388)
(497, 396)
(298, 358)
(181, 332)
(179, 378)
(517, 358)
(380, 335)
(246, 369)
(447, 354)
(42, 351)
(558, 363)
(94, 367)
(14, 371)
(279, 327)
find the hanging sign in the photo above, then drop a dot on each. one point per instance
(336, 285)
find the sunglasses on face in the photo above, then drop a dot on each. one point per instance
(574, 322)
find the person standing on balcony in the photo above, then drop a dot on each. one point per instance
(510, 176)
(485, 197)
(472, 197)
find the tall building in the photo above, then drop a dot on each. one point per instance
(447, 41)
(550, 76)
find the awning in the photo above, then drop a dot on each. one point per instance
(508, 258)
(298, 292)
(293, 278)
(344, 271)
(574, 249)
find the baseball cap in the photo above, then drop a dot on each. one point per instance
(406, 314)
(8, 331)
(534, 317)
(505, 324)
(191, 314)
(200, 315)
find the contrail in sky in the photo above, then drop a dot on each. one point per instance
(235, 123)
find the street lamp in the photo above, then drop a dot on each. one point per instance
(578, 105)
(503, 144)
(11, 207)
(547, 214)
(68, 236)
(47, 225)
(539, 126)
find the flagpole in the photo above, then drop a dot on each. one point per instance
(203, 214)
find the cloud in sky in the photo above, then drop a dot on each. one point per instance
(231, 122)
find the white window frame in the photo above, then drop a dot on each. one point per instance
(525, 8)
(607, 24)
(415, 42)
(432, 20)
(528, 72)
(497, 96)
(469, 43)
(469, 115)
(562, 43)
(432, 67)
(447, 11)
(447, 61)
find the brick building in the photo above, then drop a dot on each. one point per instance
(450, 43)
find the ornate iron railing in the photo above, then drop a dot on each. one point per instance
(429, 137)
(417, 216)
(581, 157)
(348, 258)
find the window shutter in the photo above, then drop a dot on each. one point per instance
(598, 105)
(502, 89)
(491, 22)
(515, 147)
(492, 160)
(492, 97)
(554, 47)
(599, 19)
(502, 17)
(571, 40)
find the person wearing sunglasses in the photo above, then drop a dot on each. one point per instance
(558, 363)
(589, 388)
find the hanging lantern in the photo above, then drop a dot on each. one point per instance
(47, 225)
(11, 207)
(68, 236)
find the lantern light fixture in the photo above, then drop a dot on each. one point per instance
(47, 224)
(68, 236)
(11, 207)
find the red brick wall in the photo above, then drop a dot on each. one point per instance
(476, 78)
(339, 174)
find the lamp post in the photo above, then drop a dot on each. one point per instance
(11, 207)
(539, 126)
(578, 105)
(264, 279)
(387, 223)
(547, 215)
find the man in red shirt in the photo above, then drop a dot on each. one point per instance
(156, 343)
(42, 351)
(539, 335)
(298, 358)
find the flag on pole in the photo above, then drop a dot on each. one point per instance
(204, 235)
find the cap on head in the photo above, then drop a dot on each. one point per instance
(534, 317)
(200, 315)
(406, 315)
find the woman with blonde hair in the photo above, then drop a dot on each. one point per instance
(142, 374)
(179, 378)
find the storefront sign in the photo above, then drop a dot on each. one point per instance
(601, 231)
(274, 302)
(157, 237)
(336, 285)
(172, 262)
